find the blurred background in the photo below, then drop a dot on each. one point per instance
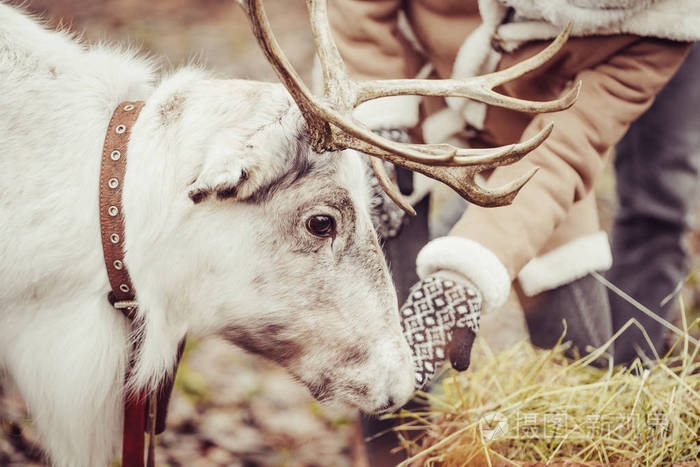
(213, 33)
(229, 408)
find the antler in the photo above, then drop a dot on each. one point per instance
(332, 128)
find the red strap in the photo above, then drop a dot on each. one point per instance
(133, 441)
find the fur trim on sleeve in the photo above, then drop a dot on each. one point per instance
(566, 264)
(389, 112)
(468, 258)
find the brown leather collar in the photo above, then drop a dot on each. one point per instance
(143, 412)
(112, 172)
(111, 217)
(122, 295)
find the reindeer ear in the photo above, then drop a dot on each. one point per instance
(225, 176)
(243, 160)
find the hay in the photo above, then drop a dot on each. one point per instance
(526, 405)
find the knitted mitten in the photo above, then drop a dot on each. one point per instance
(440, 320)
(387, 216)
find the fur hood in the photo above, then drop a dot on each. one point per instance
(539, 19)
(585, 14)
(543, 19)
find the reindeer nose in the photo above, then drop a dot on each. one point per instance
(390, 403)
(388, 406)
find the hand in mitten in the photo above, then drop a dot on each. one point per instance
(440, 320)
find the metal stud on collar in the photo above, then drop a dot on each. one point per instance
(112, 183)
(128, 107)
(118, 265)
(116, 154)
(114, 238)
(124, 288)
(112, 211)
(120, 129)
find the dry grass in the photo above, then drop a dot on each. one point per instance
(526, 406)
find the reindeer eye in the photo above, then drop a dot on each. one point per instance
(321, 226)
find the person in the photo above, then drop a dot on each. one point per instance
(549, 240)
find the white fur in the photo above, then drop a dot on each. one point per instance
(241, 268)
(567, 263)
(389, 112)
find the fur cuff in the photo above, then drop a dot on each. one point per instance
(473, 261)
(567, 263)
(389, 112)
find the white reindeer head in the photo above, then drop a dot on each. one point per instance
(319, 295)
(266, 243)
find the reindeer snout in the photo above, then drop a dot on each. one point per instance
(399, 381)
(397, 397)
(390, 406)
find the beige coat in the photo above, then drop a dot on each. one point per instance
(620, 74)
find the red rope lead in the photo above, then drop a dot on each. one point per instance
(133, 441)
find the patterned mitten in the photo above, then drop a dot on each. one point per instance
(387, 216)
(440, 320)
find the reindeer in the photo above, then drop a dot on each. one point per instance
(244, 218)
